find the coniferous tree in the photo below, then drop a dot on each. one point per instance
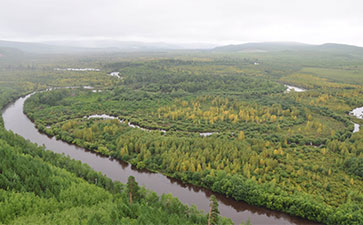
(213, 211)
(133, 188)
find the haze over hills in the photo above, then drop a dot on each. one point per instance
(84, 46)
(94, 46)
(41, 48)
(288, 46)
(130, 45)
(5, 52)
(262, 47)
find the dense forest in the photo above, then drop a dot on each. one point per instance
(41, 187)
(38, 186)
(228, 124)
(216, 120)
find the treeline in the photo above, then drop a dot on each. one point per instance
(155, 77)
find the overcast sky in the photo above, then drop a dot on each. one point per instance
(178, 21)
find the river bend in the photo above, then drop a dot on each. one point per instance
(16, 121)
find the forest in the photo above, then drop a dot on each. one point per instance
(38, 186)
(215, 120)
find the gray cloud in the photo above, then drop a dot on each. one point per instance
(227, 21)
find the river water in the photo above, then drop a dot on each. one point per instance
(16, 121)
(296, 89)
(357, 112)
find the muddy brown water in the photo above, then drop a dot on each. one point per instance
(16, 121)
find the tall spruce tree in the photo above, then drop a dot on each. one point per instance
(133, 188)
(213, 211)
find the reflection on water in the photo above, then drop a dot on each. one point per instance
(293, 88)
(357, 112)
(356, 127)
(115, 74)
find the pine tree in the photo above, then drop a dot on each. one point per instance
(213, 211)
(133, 188)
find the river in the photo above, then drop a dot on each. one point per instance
(357, 112)
(293, 88)
(16, 121)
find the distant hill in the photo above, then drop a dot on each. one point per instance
(10, 52)
(262, 47)
(130, 45)
(94, 46)
(288, 46)
(41, 48)
(339, 48)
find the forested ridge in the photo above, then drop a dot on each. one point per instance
(292, 152)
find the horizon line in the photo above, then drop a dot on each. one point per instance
(214, 44)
